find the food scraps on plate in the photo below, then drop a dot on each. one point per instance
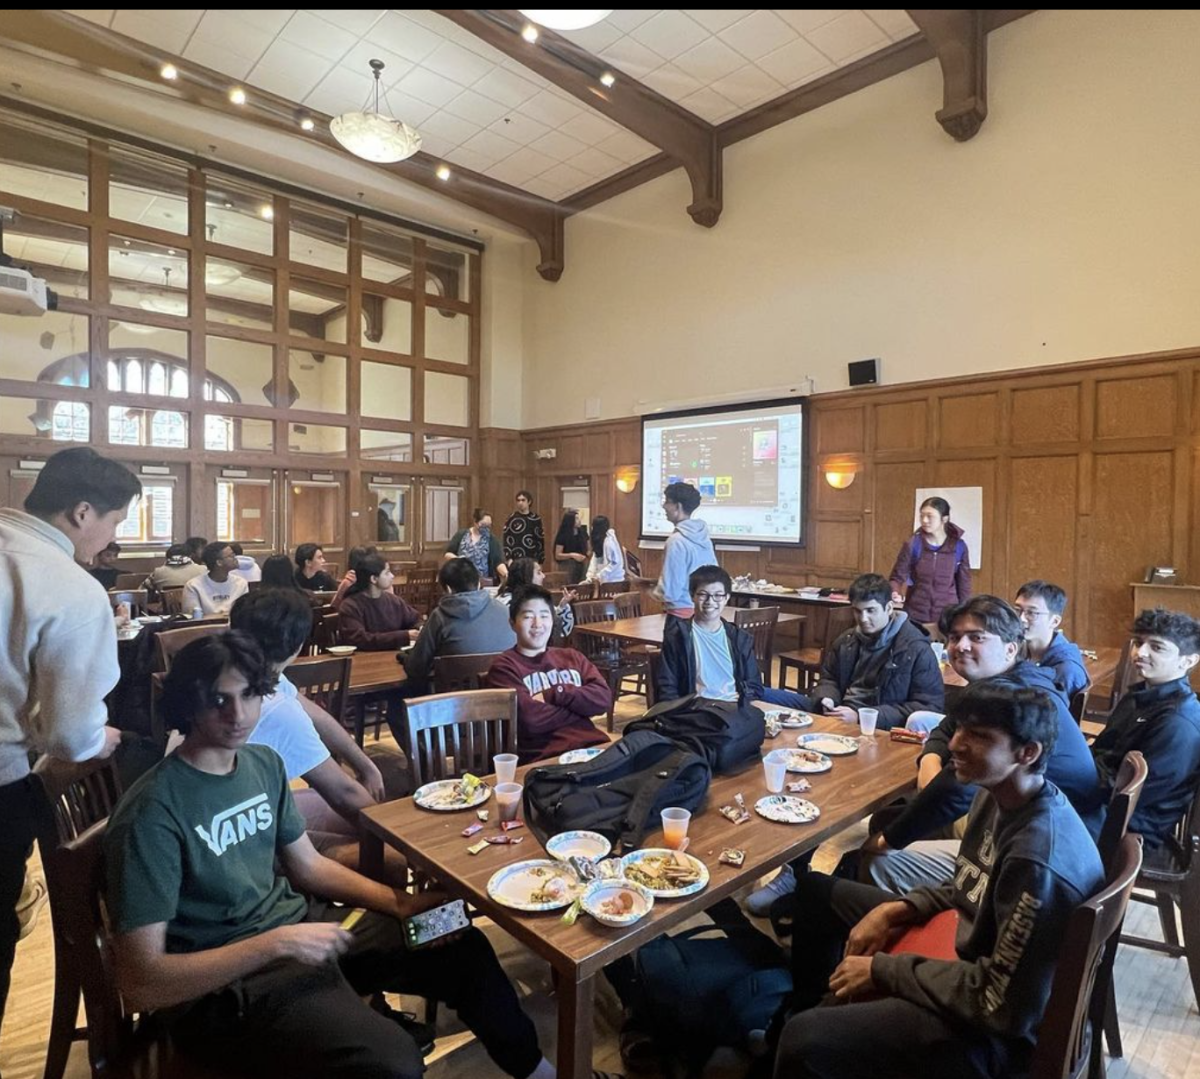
(732, 856)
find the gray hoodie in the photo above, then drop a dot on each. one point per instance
(463, 624)
(688, 548)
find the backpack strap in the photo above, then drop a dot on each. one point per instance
(633, 828)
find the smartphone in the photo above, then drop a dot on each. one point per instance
(429, 925)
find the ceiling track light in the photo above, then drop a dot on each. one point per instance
(443, 172)
(529, 32)
(237, 95)
(608, 80)
(169, 72)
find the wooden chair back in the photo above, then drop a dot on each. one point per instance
(449, 734)
(421, 574)
(595, 610)
(324, 631)
(602, 651)
(555, 579)
(455, 674)
(172, 600)
(1075, 1011)
(584, 590)
(1127, 789)
(128, 581)
(654, 659)
(837, 621)
(612, 589)
(633, 564)
(760, 623)
(170, 642)
(629, 604)
(1078, 705)
(324, 680)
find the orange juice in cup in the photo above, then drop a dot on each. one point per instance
(675, 827)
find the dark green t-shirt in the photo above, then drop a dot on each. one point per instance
(197, 851)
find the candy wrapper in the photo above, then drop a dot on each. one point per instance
(475, 848)
(482, 814)
(471, 829)
(774, 727)
(732, 856)
(733, 813)
(739, 801)
(499, 840)
(903, 734)
(799, 786)
(509, 825)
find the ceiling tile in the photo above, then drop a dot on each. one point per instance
(633, 57)
(709, 105)
(492, 146)
(596, 163)
(545, 188)
(317, 36)
(847, 36)
(802, 20)
(558, 146)
(589, 128)
(506, 87)
(758, 34)
(342, 90)
(405, 107)
(794, 63)
(669, 33)
(550, 109)
(430, 87)
(229, 31)
(469, 159)
(896, 24)
(357, 21)
(359, 58)
(477, 108)
(595, 39)
(405, 37)
(518, 68)
(627, 147)
(625, 19)
(520, 128)
(669, 81)
(435, 146)
(715, 21)
(168, 30)
(452, 128)
(522, 165)
(565, 175)
(748, 86)
(207, 54)
(457, 64)
(289, 71)
(270, 20)
(710, 60)
(96, 15)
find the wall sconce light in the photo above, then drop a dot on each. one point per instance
(841, 479)
(627, 480)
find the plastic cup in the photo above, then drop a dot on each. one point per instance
(506, 767)
(775, 768)
(508, 799)
(867, 718)
(675, 827)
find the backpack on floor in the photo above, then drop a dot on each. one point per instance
(726, 734)
(619, 793)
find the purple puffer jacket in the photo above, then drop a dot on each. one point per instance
(937, 578)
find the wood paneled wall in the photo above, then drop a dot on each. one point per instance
(1089, 473)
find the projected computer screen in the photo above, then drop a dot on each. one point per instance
(747, 463)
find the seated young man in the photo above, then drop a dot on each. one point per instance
(884, 663)
(215, 591)
(1026, 862)
(711, 657)
(467, 621)
(1159, 717)
(251, 967)
(558, 689)
(1040, 605)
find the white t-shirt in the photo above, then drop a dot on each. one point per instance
(714, 664)
(285, 727)
(213, 597)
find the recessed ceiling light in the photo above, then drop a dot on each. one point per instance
(529, 33)
(169, 72)
(267, 213)
(237, 95)
(608, 79)
(443, 172)
(573, 19)
(307, 123)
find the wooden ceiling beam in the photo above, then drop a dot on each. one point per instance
(680, 134)
(959, 38)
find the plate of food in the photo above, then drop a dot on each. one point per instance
(578, 756)
(537, 884)
(446, 795)
(805, 760)
(668, 874)
(342, 649)
(617, 903)
(792, 721)
(786, 809)
(832, 745)
(590, 845)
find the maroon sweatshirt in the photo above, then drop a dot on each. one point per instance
(557, 694)
(375, 625)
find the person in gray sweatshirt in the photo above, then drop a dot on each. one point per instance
(466, 621)
(688, 548)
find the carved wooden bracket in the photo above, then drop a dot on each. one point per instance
(959, 38)
(372, 313)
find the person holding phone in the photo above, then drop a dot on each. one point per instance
(253, 964)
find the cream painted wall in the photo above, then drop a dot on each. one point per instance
(1066, 230)
(505, 274)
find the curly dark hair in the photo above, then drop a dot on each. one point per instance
(279, 619)
(190, 686)
(1182, 630)
(1025, 715)
(685, 494)
(996, 615)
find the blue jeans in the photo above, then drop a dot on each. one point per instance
(786, 698)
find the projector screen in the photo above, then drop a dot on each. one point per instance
(747, 462)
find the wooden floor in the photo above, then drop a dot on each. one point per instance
(1159, 1018)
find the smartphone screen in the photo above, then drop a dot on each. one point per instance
(429, 925)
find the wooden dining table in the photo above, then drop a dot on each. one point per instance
(856, 786)
(648, 629)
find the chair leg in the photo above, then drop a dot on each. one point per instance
(1189, 902)
(63, 1015)
(1166, 918)
(1112, 1023)
(614, 686)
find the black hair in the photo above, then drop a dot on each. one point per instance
(80, 475)
(995, 615)
(1053, 596)
(212, 553)
(527, 595)
(600, 527)
(279, 619)
(527, 495)
(305, 553)
(114, 546)
(236, 548)
(478, 514)
(278, 571)
(1182, 630)
(870, 586)
(1026, 715)
(709, 575)
(176, 550)
(357, 554)
(459, 575)
(520, 575)
(685, 494)
(191, 684)
(194, 546)
(567, 528)
(939, 504)
(369, 566)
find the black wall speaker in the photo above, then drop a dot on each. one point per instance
(864, 372)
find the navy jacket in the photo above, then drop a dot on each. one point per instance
(1163, 723)
(1065, 661)
(910, 679)
(944, 800)
(677, 668)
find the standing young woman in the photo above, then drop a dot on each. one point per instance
(479, 546)
(933, 567)
(371, 615)
(571, 547)
(608, 560)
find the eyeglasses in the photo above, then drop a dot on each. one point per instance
(1032, 613)
(711, 597)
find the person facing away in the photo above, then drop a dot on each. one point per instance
(559, 690)
(688, 548)
(175, 572)
(1040, 605)
(310, 569)
(356, 555)
(480, 545)
(524, 533)
(884, 662)
(194, 548)
(608, 557)
(251, 963)
(105, 570)
(215, 592)
(59, 661)
(933, 568)
(571, 547)
(371, 615)
(467, 621)
(246, 566)
(279, 571)
(1025, 864)
(1160, 718)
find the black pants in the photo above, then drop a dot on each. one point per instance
(301, 1022)
(16, 843)
(868, 1039)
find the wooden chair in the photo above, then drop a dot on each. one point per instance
(1078, 705)
(653, 659)
(806, 662)
(449, 734)
(415, 594)
(172, 600)
(760, 623)
(324, 680)
(170, 642)
(633, 564)
(613, 662)
(612, 589)
(584, 590)
(324, 631)
(456, 674)
(1123, 678)
(629, 604)
(128, 581)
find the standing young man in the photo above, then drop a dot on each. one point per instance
(1040, 605)
(217, 590)
(60, 658)
(688, 548)
(524, 534)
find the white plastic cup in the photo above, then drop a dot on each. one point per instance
(675, 827)
(775, 769)
(508, 799)
(197, 613)
(506, 767)
(867, 718)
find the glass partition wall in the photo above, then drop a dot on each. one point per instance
(280, 368)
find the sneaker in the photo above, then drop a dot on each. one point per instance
(421, 1033)
(783, 883)
(29, 906)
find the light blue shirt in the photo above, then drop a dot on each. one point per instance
(714, 664)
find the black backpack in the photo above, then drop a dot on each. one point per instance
(619, 793)
(726, 734)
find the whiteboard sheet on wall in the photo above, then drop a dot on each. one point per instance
(966, 511)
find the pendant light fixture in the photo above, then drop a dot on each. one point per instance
(566, 20)
(372, 135)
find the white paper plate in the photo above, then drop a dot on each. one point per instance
(515, 885)
(791, 721)
(578, 756)
(342, 649)
(805, 761)
(437, 796)
(786, 809)
(590, 845)
(633, 858)
(832, 745)
(600, 890)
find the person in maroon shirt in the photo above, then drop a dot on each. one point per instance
(558, 689)
(371, 615)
